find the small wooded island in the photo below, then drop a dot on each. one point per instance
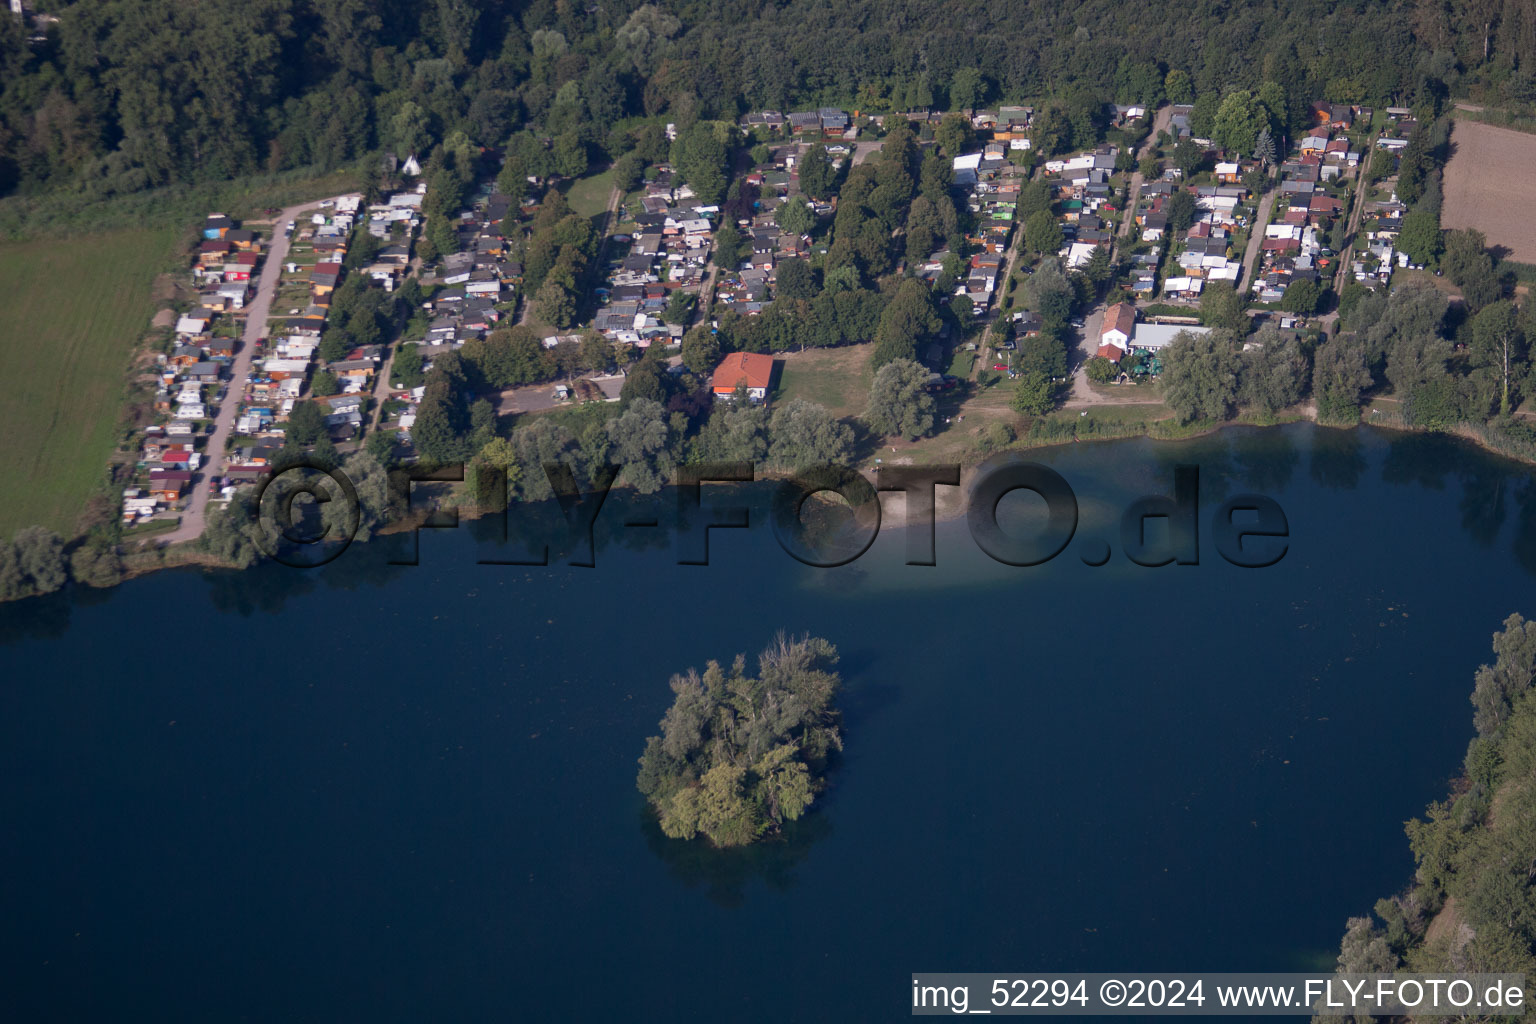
(740, 755)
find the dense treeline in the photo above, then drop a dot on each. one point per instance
(1472, 907)
(664, 419)
(123, 95)
(1442, 364)
(739, 755)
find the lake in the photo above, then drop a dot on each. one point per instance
(374, 792)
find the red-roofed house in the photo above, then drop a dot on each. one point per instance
(753, 370)
(1119, 325)
(1110, 352)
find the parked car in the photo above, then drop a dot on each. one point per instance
(1000, 367)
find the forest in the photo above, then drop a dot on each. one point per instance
(1472, 904)
(113, 97)
(739, 754)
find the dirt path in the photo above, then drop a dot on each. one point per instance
(1256, 242)
(195, 515)
(1159, 124)
(984, 345)
(381, 387)
(1356, 214)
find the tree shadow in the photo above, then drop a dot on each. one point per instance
(1338, 459)
(866, 445)
(1482, 504)
(1423, 459)
(43, 617)
(1267, 459)
(1524, 546)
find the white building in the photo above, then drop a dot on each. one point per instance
(1154, 337)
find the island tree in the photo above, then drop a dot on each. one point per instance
(741, 754)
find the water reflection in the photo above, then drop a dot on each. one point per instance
(1337, 458)
(37, 617)
(1429, 460)
(725, 874)
(1265, 459)
(1494, 493)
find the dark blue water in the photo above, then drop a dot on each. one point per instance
(385, 793)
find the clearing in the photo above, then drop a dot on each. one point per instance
(1488, 186)
(838, 378)
(76, 310)
(589, 196)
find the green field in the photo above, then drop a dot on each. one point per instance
(837, 378)
(589, 196)
(75, 309)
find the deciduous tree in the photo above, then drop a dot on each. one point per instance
(1200, 375)
(803, 433)
(899, 403)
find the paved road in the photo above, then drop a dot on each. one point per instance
(192, 519)
(706, 295)
(861, 150)
(533, 398)
(381, 388)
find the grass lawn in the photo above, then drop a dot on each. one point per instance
(74, 314)
(589, 196)
(1142, 412)
(838, 378)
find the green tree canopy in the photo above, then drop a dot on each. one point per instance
(738, 754)
(1275, 372)
(1200, 375)
(1042, 234)
(1033, 394)
(795, 216)
(1340, 373)
(817, 176)
(803, 433)
(899, 403)
(1221, 306)
(908, 319)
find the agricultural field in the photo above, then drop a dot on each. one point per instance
(75, 310)
(1489, 186)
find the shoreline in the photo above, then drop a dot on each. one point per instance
(950, 502)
